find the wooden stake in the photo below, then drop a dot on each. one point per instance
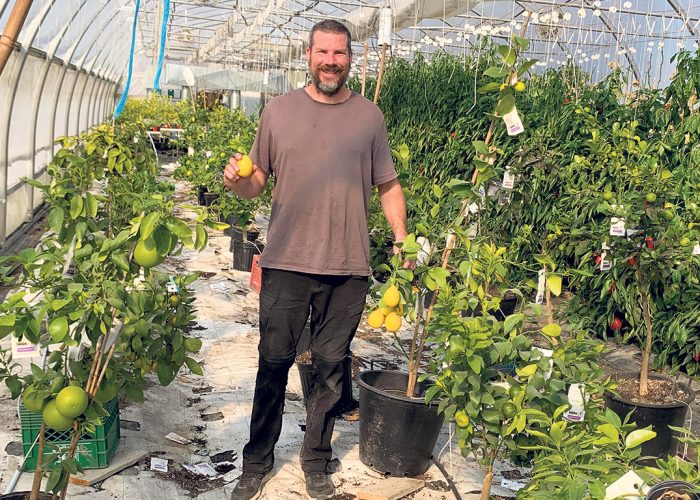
(646, 313)
(364, 70)
(548, 303)
(381, 73)
(12, 29)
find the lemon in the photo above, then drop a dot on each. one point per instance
(650, 197)
(386, 310)
(519, 87)
(391, 296)
(375, 318)
(461, 419)
(245, 166)
(146, 253)
(392, 322)
(71, 401)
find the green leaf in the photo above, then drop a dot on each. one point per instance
(59, 303)
(92, 205)
(54, 478)
(192, 344)
(481, 147)
(475, 363)
(179, 228)
(193, 366)
(56, 219)
(120, 259)
(635, 438)
(165, 373)
(76, 206)
(554, 283)
(507, 53)
(610, 431)
(523, 43)
(14, 385)
(505, 104)
(511, 321)
(404, 152)
(526, 66)
(495, 72)
(527, 371)
(489, 87)
(201, 237)
(148, 224)
(552, 330)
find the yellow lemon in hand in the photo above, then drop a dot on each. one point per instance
(391, 296)
(392, 322)
(375, 318)
(245, 166)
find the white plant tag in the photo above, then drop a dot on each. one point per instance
(504, 197)
(473, 208)
(205, 469)
(696, 248)
(513, 123)
(424, 251)
(541, 283)
(617, 226)
(159, 464)
(171, 286)
(630, 486)
(23, 348)
(576, 399)
(508, 179)
(605, 265)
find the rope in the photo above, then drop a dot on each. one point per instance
(120, 105)
(163, 36)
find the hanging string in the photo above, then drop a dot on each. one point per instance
(120, 105)
(161, 55)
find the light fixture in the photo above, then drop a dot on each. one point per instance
(582, 13)
(612, 9)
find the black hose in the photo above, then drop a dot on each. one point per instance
(448, 478)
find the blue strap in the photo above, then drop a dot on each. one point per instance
(163, 34)
(120, 105)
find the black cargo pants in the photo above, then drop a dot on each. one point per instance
(336, 304)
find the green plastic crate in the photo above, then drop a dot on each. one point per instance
(94, 450)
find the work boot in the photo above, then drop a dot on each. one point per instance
(319, 485)
(250, 485)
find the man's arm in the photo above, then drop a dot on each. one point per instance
(244, 187)
(394, 207)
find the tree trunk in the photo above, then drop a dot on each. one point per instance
(486, 487)
(38, 473)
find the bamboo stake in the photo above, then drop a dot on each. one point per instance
(71, 453)
(12, 29)
(379, 76)
(364, 70)
(39, 472)
(646, 313)
(548, 304)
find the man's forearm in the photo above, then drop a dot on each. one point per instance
(394, 207)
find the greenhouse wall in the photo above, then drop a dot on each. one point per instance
(42, 99)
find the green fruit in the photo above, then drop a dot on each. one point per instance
(509, 410)
(58, 329)
(71, 401)
(667, 214)
(514, 390)
(607, 195)
(461, 419)
(54, 419)
(146, 253)
(651, 198)
(685, 241)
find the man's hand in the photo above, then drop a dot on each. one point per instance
(407, 263)
(231, 177)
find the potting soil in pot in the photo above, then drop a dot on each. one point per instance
(660, 391)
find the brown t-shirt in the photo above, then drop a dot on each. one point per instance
(325, 159)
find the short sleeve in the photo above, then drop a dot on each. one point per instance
(382, 165)
(261, 152)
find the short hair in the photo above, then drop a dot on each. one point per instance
(331, 26)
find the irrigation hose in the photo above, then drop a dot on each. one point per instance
(451, 483)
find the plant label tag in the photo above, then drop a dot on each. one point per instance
(629, 486)
(171, 286)
(541, 283)
(696, 248)
(574, 414)
(504, 197)
(23, 348)
(577, 401)
(424, 251)
(205, 469)
(617, 226)
(473, 208)
(508, 179)
(605, 265)
(159, 464)
(473, 231)
(513, 124)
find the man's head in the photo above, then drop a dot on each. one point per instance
(329, 56)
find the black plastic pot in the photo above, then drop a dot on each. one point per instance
(657, 491)
(243, 252)
(237, 235)
(659, 416)
(308, 384)
(210, 198)
(397, 434)
(200, 194)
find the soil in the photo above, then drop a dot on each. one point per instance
(195, 484)
(672, 495)
(660, 391)
(437, 486)
(304, 358)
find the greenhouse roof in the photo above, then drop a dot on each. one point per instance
(641, 35)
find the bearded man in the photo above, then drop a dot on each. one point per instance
(326, 148)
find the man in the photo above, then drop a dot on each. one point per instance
(326, 146)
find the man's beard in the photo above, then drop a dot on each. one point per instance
(330, 88)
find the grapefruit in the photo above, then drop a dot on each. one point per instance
(71, 401)
(54, 419)
(146, 253)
